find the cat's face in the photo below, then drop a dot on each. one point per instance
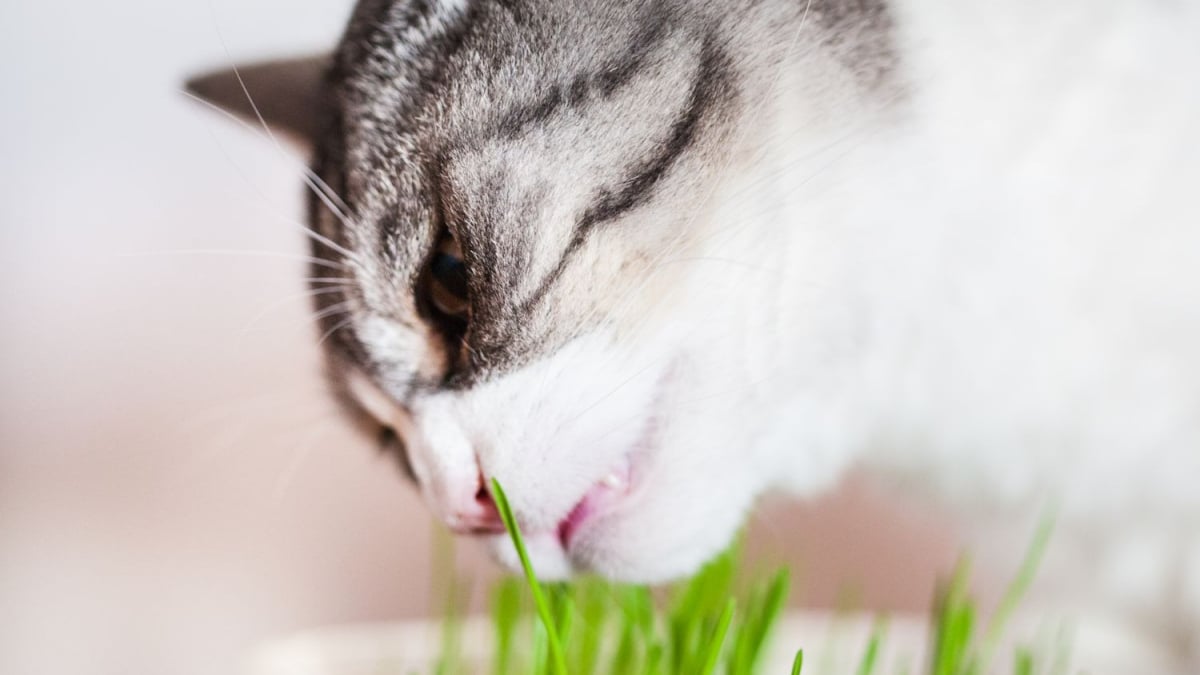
(515, 298)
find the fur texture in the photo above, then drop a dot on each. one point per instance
(716, 249)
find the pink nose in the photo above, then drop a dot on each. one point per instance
(476, 515)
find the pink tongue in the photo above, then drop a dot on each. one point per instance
(600, 494)
(569, 524)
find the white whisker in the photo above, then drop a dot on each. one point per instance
(316, 236)
(344, 281)
(298, 455)
(241, 252)
(286, 299)
(309, 176)
(334, 309)
(343, 324)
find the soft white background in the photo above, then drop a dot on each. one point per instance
(174, 486)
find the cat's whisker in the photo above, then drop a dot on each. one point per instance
(314, 285)
(750, 267)
(858, 133)
(333, 310)
(621, 313)
(323, 192)
(745, 193)
(591, 406)
(318, 237)
(309, 232)
(345, 281)
(630, 297)
(311, 293)
(254, 131)
(232, 420)
(339, 326)
(203, 417)
(298, 456)
(321, 262)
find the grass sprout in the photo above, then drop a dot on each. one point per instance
(716, 623)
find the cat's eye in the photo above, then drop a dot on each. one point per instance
(448, 279)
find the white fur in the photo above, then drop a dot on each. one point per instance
(1008, 285)
(991, 296)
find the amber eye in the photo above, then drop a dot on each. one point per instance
(448, 279)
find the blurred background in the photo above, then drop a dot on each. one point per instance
(175, 487)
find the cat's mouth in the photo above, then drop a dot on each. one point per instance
(611, 491)
(619, 484)
(602, 497)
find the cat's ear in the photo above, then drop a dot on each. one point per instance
(287, 92)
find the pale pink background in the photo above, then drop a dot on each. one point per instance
(174, 485)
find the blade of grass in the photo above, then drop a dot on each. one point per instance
(592, 622)
(558, 658)
(654, 659)
(1016, 590)
(446, 584)
(718, 639)
(506, 613)
(798, 662)
(692, 613)
(954, 615)
(541, 652)
(761, 616)
(637, 632)
(871, 654)
(1024, 662)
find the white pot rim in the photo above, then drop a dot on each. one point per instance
(833, 644)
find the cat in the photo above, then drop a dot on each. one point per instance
(644, 262)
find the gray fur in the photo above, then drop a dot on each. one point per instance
(465, 118)
(716, 249)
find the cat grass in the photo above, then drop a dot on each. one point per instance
(718, 622)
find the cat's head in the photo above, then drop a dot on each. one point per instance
(510, 208)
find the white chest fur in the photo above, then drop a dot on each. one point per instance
(993, 295)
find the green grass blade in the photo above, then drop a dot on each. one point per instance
(761, 617)
(654, 660)
(637, 631)
(1016, 589)
(558, 658)
(1023, 664)
(954, 621)
(506, 614)
(798, 662)
(695, 608)
(718, 639)
(446, 584)
(623, 659)
(541, 651)
(593, 604)
(871, 654)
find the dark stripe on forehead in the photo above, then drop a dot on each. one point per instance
(601, 82)
(639, 183)
(711, 85)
